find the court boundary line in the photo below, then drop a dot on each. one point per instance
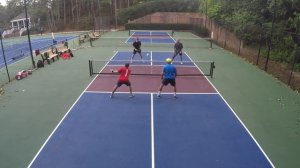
(266, 156)
(173, 39)
(63, 118)
(152, 134)
(126, 92)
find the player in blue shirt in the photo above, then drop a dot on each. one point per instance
(168, 76)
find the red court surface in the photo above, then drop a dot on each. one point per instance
(147, 83)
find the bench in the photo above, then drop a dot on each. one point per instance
(49, 55)
(62, 49)
(92, 37)
(81, 39)
(96, 34)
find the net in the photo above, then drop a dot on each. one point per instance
(152, 68)
(116, 42)
(151, 32)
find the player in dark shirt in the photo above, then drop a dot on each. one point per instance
(137, 48)
(178, 50)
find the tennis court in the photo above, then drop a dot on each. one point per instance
(198, 129)
(17, 50)
(151, 36)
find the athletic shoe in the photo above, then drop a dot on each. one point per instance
(111, 96)
(181, 63)
(158, 96)
(131, 96)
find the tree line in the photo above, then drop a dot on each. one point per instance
(274, 23)
(57, 15)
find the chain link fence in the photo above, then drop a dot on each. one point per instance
(285, 72)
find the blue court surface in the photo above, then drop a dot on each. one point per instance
(150, 58)
(193, 131)
(18, 51)
(151, 37)
(196, 130)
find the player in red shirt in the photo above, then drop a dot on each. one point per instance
(123, 79)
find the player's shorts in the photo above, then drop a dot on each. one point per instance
(178, 52)
(167, 81)
(137, 50)
(120, 83)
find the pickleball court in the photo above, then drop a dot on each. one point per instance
(198, 129)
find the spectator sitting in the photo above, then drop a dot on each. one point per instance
(70, 51)
(65, 55)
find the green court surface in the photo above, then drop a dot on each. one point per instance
(31, 108)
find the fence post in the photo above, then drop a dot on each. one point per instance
(259, 48)
(240, 47)
(4, 55)
(296, 53)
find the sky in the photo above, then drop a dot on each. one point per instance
(3, 2)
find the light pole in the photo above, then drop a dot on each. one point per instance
(28, 34)
(1, 31)
(205, 13)
(116, 19)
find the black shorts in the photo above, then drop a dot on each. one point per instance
(167, 81)
(120, 83)
(137, 50)
(178, 52)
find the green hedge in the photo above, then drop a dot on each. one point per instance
(146, 8)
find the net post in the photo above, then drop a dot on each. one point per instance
(90, 68)
(128, 32)
(212, 66)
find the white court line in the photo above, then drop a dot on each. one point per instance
(152, 134)
(236, 116)
(129, 37)
(126, 92)
(151, 58)
(172, 38)
(39, 151)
